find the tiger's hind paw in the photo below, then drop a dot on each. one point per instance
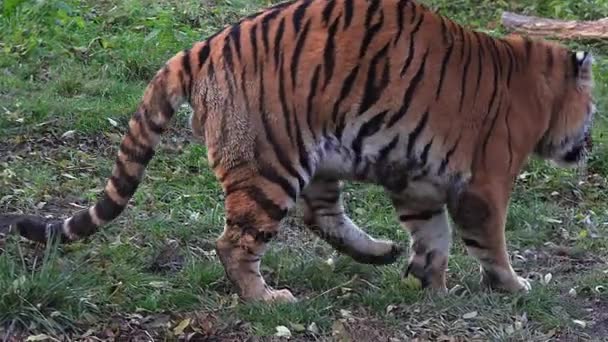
(511, 283)
(278, 296)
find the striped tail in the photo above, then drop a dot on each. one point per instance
(167, 91)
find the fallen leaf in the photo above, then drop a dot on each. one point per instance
(282, 331)
(297, 327)
(68, 134)
(346, 313)
(313, 328)
(179, 329)
(470, 315)
(67, 175)
(547, 278)
(580, 323)
(40, 337)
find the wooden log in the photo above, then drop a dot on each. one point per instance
(561, 29)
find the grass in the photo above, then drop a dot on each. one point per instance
(73, 71)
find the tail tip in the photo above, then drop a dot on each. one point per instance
(34, 228)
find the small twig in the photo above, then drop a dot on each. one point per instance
(370, 284)
(334, 288)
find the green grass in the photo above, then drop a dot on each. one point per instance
(80, 65)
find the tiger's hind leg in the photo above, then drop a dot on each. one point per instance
(480, 214)
(324, 215)
(253, 212)
(430, 242)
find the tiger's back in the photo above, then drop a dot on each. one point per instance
(294, 99)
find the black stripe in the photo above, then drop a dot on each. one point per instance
(266, 26)
(314, 82)
(549, 60)
(283, 99)
(107, 209)
(491, 129)
(187, 70)
(371, 10)
(328, 197)
(463, 84)
(373, 93)
(124, 183)
(460, 38)
(327, 11)
(262, 96)
(472, 243)
(151, 125)
(448, 156)
(81, 224)
(446, 57)
(253, 40)
(271, 175)
(298, 15)
(235, 34)
(348, 13)
(528, 47)
(421, 216)
(303, 154)
(369, 128)
(211, 70)
(203, 54)
(329, 53)
(277, 42)
(425, 153)
(180, 77)
(512, 61)
(480, 55)
(244, 88)
(496, 55)
(411, 140)
(279, 152)
(411, 51)
(509, 144)
(370, 32)
(409, 93)
(142, 157)
(273, 211)
(347, 86)
(143, 132)
(400, 13)
(297, 53)
(494, 89)
(227, 52)
(229, 69)
(384, 151)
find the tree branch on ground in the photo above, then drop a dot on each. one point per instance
(561, 29)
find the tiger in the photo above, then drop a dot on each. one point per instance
(295, 100)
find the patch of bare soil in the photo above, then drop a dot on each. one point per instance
(556, 259)
(598, 329)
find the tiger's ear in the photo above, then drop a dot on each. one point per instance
(583, 62)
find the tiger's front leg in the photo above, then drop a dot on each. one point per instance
(480, 213)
